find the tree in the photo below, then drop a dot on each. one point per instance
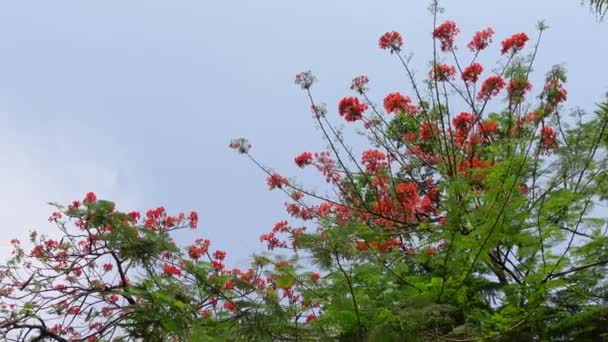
(468, 216)
(600, 7)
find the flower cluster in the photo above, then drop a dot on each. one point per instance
(351, 109)
(471, 73)
(446, 33)
(481, 40)
(396, 103)
(514, 43)
(359, 84)
(490, 88)
(391, 41)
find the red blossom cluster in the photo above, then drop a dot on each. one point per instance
(514, 43)
(359, 84)
(276, 181)
(303, 159)
(548, 138)
(471, 73)
(446, 33)
(490, 88)
(396, 103)
(351, 109)
(391, 41)
(555, 94)
(481, 40)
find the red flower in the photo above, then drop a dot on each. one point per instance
(276, 181)
(514, 43)
(134, 216)
(464, 121)
(373, 160)
(396, 103)
(427, 130)
(407, 193)
(442, 72)
(315, 277)
(430, 251)
(74, 310)
(303, 159)
(488, 127)
(310, 317)
(107, 267)
(351, 109)
(481, 40)
(230, 306)
(193, 219)
(228, 285)
(446, 33)
(171, 270)
(392, 41)
(471, 73)
(219, 255)
(523, 188)
(490, 87)
(555, 93)
(548, 138)
(359, 84)
(90, 197)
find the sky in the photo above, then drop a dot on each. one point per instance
(137, 100)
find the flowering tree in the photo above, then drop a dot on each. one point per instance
(468, 216)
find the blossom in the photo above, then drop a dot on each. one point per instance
(310, 317)
(464, 121)
(373, 160)
(134, 216)
(276, 181)
(555, 93)
(351, 109)
(303, 159)
(407, 193)
(107, 267)
(488, 127)
(471, 73)
(228, 285)
(55, 217)
(230, 306)
(548, 138)
(490, 87)
(442, 72)
(481, 40)
(359, 84)
(193, 219)
(89, 198)
(171, 270)
(391, 41)
(315, 277)
(219, 255)
(74, 310)
(446, 33)
(396, 103)
(514, 43)
(305, 79)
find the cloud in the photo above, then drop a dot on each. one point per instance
(53, 162)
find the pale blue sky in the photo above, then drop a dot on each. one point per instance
(137, 100)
